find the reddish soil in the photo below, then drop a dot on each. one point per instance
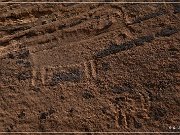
(89, 67)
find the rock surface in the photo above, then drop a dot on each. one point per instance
(91, 67)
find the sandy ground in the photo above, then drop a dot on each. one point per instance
(89, 67)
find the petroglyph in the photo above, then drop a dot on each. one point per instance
(60, 74)
(89, 67)
(131, 108)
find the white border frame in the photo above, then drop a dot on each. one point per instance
(90, 132)
(86, 2)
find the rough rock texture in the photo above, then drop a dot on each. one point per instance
(89, 67)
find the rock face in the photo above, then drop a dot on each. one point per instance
(91, 67)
